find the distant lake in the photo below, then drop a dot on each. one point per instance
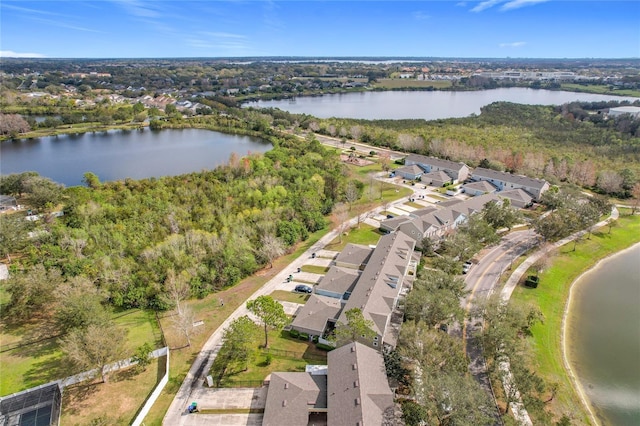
(429, 105)
(119, 154)
(604, 337)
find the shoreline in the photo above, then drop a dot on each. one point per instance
(577, 386)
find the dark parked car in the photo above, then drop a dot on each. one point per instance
(303, 289)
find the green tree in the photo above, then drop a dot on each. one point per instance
(435, 299)
(142, 357)
(500, 215)
(31, 291)
(356, 328)
(96, 346)
(270, 312)
(14, 233)
(91, 180)
(79, 305)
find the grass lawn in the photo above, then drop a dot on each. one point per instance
(40, 360)
(289, 296)
(113, 403)
(385, 83)
(302, 353)
(314, 269)
(551, 296)
(436, 197)
(364, 235)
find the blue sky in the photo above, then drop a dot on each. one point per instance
(234, 28)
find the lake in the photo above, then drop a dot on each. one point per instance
(118, 154)
(429, 105)
(604, 337)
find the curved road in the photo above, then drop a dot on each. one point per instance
(481, 281)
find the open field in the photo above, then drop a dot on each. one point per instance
(388, 83)
(551, 296)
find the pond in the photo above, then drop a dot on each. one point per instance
(120, 154)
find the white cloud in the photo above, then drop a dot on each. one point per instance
(223, 35)
(461, 4)
(12, 54)
(61, 24)
(514, 44)
(420, 15)
(138, 8)
(218, 40)
(485, 5)
(517, 4)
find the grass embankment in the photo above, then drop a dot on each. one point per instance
(602, 89)
(551, 297)
(30, 352)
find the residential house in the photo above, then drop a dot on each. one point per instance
(411, 172)
(435, 223)
(506, 181)
(354, 256)
(518, 198)
(358, 391)
(375, 290)
(458, 172)
(478, 188)
(352, 391)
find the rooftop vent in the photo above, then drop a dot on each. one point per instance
(284, 403)
(286, 385)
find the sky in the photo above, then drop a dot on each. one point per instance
(236, 28)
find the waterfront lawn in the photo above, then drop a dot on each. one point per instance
(603, 89)
(551, 296)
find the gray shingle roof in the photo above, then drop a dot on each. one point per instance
(517, 195)
(482, 185)
(358, 389)
(339, 280)
(381, 279)
(508, 177)
(354, 254)
(315, 313)
(437, 162)
(412, 169)
(290, 397)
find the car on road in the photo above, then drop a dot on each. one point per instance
(465, 268)
(303, 289)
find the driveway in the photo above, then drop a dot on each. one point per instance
(227, 399)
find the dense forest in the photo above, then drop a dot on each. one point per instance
(211, 228)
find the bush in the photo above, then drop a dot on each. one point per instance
(294, 333)
(268, 359)
(324, 347)
(372, 153)
(304, 336)
(413, 414)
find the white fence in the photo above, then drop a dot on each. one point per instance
(155, 394)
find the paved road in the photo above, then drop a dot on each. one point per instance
(481, 281)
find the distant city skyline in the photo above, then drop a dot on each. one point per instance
(236, 28)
